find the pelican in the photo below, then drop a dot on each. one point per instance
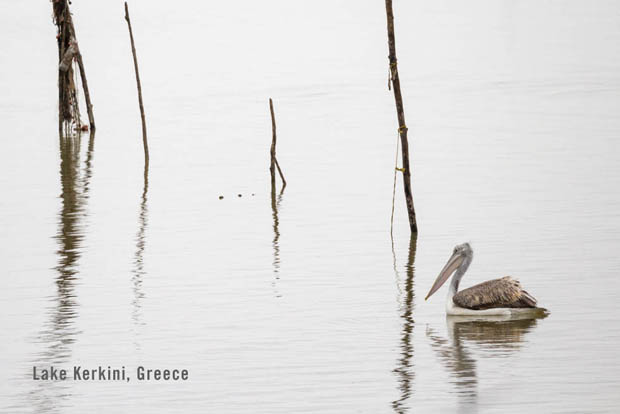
(501, 297)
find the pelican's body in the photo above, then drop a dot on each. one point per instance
(503, 296)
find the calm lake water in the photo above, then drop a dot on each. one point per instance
(300, 303)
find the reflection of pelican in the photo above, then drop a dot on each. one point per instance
(492, 335)
(492, 332)
(458, 361)
(495, 297)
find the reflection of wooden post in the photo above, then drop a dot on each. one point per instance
(405, 369)
(274, 160)
(402, 127)
(138, 270)
(135, 63)
(276, 231)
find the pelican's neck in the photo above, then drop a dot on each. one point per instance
(458, 275)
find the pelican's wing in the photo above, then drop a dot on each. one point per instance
(498, 293)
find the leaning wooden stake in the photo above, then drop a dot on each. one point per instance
(135, 63)
(80, 62)
(402, 127)
(89, 105)
(274, 160)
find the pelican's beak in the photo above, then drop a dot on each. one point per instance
(453, 264)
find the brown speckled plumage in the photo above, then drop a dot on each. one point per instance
(498, 293)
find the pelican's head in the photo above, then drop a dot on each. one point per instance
(460, 259)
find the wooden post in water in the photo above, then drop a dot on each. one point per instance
(274, 160)
(135, 63)
(68, 51)
(402, 126)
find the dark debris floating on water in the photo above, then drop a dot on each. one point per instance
(238, 195)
